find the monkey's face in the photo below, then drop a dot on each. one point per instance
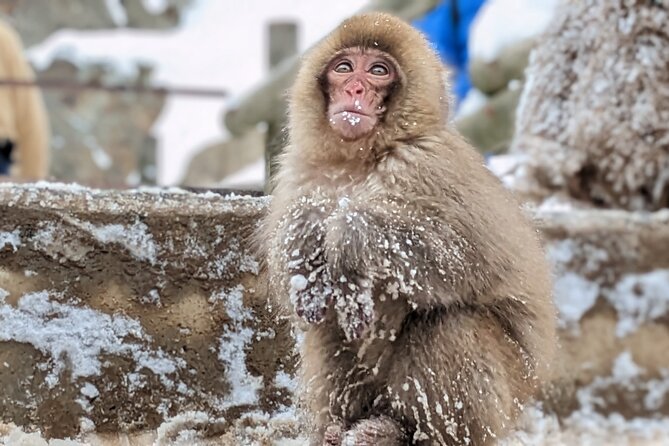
(358, 83)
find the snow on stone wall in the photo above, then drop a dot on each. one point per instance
(120, 310)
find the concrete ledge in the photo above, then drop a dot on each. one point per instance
(124, 308)
(121, 310)
(612, 292)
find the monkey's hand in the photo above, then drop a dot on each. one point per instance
(346, 244)
(310, 287)
(354, 305)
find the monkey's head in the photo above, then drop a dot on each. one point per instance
(372, 84)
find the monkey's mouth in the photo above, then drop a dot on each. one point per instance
(350, 116)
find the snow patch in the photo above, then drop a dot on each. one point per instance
(574, 296)
(12, 239)
(474, 101)
(75, 337)
(155, 7)
(136, 238)
(184, 429)
(236, 337)
(639, 298)
(285, 381)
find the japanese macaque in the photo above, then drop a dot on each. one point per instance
(424, 291)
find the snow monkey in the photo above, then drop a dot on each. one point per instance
(423, 289)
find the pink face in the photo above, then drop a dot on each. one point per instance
(358, 84)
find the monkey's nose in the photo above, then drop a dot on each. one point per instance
(355, 89)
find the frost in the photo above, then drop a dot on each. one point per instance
(574, 296)
(285, 381)
(639, 298)
(74, 338)
(235, 294)
(236, 337)
(12, 239)
(136, 238)
(89, 391)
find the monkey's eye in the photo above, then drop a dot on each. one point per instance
(343, 67)
(379, 70)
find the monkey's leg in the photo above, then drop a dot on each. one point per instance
(456, 378)
(375, 431)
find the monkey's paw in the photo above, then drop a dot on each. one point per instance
(354, 306)
(310, 286)
(333, 435)
(310, 299)
(375, 431)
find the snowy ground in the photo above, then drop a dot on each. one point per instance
(537, 430)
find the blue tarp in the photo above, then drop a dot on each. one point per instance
(447, 27)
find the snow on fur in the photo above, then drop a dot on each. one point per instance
(594, 115)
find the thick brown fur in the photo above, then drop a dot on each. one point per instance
(437, 323)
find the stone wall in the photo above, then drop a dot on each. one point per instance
(123, 309)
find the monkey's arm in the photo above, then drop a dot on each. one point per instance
(301, 237)
(410, 248)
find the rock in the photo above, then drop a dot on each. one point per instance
(594, 116)
(612, 294)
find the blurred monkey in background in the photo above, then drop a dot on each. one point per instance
(24, 126)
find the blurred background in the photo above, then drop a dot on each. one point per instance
(191, 92)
